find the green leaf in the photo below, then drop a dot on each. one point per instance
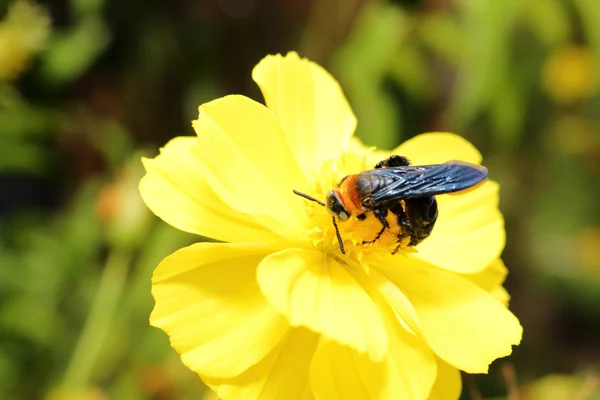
(22, 156)
(508, 114)
(70, 54)
(443, 35)
(410, 70)
(590, 15)
(22, 120)
(484, 63)
(87, 8)
(548, 20)
(363, 63)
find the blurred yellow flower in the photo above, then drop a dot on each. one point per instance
(559, 387)
(22, 33)
(589, 250)
(90, 393)
(120, 208)
(569, 75)
(275, 310)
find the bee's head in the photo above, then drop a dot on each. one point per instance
(335, 206)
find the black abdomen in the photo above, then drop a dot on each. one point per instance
(421, 214)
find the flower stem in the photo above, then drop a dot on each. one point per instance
(99, 320)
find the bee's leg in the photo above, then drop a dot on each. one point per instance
(376, 237)
(380, 214)
(399, 246)
(393, 161)
(398, 210)
(406, 228)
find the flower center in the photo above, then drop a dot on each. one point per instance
(362, 233)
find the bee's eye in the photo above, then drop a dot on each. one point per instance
(335, 206)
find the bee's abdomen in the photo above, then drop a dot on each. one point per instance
(367, 184)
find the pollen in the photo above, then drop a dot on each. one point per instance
(359, 236)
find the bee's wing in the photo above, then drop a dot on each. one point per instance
(427, 180)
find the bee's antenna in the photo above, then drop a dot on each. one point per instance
(309, 197)
(337, 231)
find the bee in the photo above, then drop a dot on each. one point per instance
(407, 191)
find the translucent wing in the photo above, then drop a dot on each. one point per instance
(427, 180)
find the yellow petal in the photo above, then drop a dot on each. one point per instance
(448, 384)
(469, 232)
(501, 295)
(208, 302)
(283, 374)
(437, 148)
(370, 154)
(175, 190)
(464, 325)
(399, 303)
(490, 277)
(310, 105)
(407, 371)
(315, 291)
(248, 162)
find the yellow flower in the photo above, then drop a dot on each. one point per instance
(276, 311)
(22, 33)
(570, 75)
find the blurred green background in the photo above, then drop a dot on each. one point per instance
(89, 86)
